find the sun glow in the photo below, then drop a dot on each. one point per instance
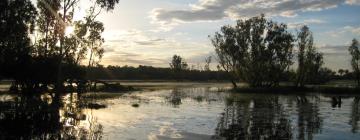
(69, 30)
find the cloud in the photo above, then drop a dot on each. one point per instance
(336, 56)
(346, 30)
(295, 25)
(149, 42)
(136, 47)
(354, 30)
(132, 59)
(212, 10)
(353, 2)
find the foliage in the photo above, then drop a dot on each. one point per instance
(355, 59)
(151, 73)
(52, 57)
(309, 60)
(178, 63)
(255, 50)
(17, 21)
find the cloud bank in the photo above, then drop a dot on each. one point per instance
(212, 10)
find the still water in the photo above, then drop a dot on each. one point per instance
(193, 111)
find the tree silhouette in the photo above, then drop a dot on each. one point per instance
(355, 59)
(254, 50)
(17, 21)
(207, 63)
(309, 60)
(178, 63)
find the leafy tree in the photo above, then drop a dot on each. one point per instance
(17, 21)
(341, 72)
(95, 40)
(178, 63)
(309, 60)
(207, 63)
(70, 50)
(47, 22)
(254, 50)
(355, 60)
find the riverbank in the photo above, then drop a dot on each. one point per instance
(293, 89)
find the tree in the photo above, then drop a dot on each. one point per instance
(254, 50)
(355, 59)
(178, 64)
(207, 63)
(309, 60)
(17, 22)
(70, 49)
(341, 72)
(95, 40)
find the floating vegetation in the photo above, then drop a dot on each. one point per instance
(93, 106)
(136, 105)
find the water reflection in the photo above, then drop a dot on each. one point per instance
(260, 118)
(309, 121)
(182, 113)
(46, 117)
(355, 115)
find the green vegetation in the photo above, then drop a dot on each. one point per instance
(260, 52)
(153, 73)
(256, 51)
(309, 61)
(178, 64)
(53, 57)
(355, 59)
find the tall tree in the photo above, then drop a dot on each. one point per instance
(309, 60)
(254, 50)
(355, 59)
(95, 40)
(69, 49)
(226, 50)
(17, 22)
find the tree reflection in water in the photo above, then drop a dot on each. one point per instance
(256, 118)
(174, 97)
(45, 117)
(309, 121)
(264, 117)
(355, 115)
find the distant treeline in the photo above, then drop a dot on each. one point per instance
(156, 73)
(152, 73)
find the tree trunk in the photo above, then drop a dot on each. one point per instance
(234, 83)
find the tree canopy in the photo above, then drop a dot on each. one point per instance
(257, 51)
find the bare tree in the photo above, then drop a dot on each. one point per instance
(207, 63)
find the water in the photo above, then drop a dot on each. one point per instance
(193, 111)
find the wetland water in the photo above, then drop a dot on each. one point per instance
(180, 111)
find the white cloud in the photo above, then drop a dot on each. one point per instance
(346, 30)
(354, 30)
(211, 10)
(295, 25)
(135, 47)
(353, 2)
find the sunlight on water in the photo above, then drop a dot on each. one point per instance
(203, 112)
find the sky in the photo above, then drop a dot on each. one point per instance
(150, 32)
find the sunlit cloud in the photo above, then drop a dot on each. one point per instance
(212, 10)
